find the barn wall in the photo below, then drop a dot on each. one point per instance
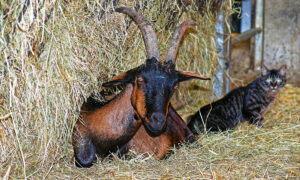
(282, 36)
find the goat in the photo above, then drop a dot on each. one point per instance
(175, 134)
(144, 100)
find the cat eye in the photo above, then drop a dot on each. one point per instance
(278, 80)
(268, 80)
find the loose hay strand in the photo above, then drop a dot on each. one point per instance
(293, 172)
(5, 116)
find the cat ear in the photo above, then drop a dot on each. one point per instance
(282, 70)
(264, 70)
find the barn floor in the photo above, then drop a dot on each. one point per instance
(269, 152)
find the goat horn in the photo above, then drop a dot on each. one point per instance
(148, 33)
(174, 44)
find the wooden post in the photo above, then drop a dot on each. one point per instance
(259, 38)
(221, 83)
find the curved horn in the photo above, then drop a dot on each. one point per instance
(174, 44)
(148, 33)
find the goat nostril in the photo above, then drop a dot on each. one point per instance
(157, 123)
(158, 118)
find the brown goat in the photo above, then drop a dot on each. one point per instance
(144, 101)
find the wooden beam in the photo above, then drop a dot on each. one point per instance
(259, 38)
(245, 35)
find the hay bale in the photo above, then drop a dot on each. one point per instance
(56, 53)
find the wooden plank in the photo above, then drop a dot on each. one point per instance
(245, 35)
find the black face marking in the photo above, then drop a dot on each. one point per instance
(158, 85)
(157, 80)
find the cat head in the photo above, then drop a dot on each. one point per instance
(274, 79)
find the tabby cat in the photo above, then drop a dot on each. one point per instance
(246, 103)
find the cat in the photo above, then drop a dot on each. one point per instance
(246, 103)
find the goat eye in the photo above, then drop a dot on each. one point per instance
(140, 79)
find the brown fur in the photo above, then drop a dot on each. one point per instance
(138, 101)
(112, 122)
(176, 133)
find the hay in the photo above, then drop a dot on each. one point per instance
(54, 54)
(248, 152)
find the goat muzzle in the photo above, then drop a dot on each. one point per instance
(156, 125)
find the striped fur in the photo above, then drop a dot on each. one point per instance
(248, 103)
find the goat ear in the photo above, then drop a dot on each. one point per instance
(186, 75)
(124, 78)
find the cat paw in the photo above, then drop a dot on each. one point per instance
(260, 124)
